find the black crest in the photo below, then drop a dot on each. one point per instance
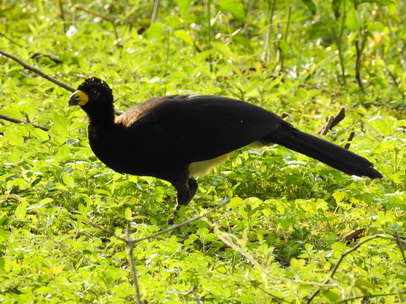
(94, 81)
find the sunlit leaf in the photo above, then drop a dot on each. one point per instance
(184, 36)
(353, 20)
(233, 6)
(310, 5)
(184, 6)
(21, 211)
(296, 264)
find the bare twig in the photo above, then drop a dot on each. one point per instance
(4, 117)
(133, 268)
(273, 296)
(332, 122)
(370, 296)
(352, 249)
(359, 47)
(105, 18)
(46, 76)
(401, 245)
(39, 72)
(11, 40)
(247, 19)
(232, 242)
(285, 38)
(174, 227)
(340, 48)
(62, 16)
(108, 232)
(154, 12)
(130, 245)
(349, 140)
(181, 224)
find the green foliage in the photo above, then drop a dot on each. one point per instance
(284, 229)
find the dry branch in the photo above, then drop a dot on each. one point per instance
(332, 122)
(4, 117)
(352, 249)
(39, 72)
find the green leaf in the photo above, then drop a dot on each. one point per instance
(21, 211)
(225, 50)
(380, 2)
(61, 121)
(177, 75)
(15, 156)
(2, 263)
(310, 5)
(353, 20)
(128, 214)
(68, 180)
(184, 36)
(296, 264)
(331, 295)
(338, 246)
(202, 232)
(40, 134)
(154, 31)
(13, 137)
(284, 47)
(102, 192)
(234, 7)
(11, 113)
(363, 283)
(235, 202)
(336, 8)
(184, 6)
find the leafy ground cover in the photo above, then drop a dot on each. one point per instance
(293, 230)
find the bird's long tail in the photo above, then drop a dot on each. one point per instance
(324, 151)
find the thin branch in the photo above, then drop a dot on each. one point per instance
(332, 122)
(65, 29)
(105, 18)
(108, 232)
(359, 47)
(285, 38)
(340, 43)
(46, 76)
(133, 269)
(181, 224)
(154, 12)
(401, 246)
(273, 296)
(232, 242)
(343, 255)
(349, 140)
(4, 117)
(11, 40)
(39, 72)
(162, 231)
(130, 245)
(370, 296)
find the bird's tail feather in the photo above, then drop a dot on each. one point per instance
(324, 151)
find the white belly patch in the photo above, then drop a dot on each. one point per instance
(201, 168)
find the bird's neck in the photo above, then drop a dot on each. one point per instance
(103, 117)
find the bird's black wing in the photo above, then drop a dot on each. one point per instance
(190, 128)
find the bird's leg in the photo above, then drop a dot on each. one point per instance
(186, 191)
(192, 183)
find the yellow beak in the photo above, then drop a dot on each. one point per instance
(78, 98)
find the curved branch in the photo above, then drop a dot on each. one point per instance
(22, 122)
(39, 72)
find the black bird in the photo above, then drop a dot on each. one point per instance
(178, 137)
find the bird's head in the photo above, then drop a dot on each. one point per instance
(93, 92)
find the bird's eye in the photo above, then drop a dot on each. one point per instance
(93, 92)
